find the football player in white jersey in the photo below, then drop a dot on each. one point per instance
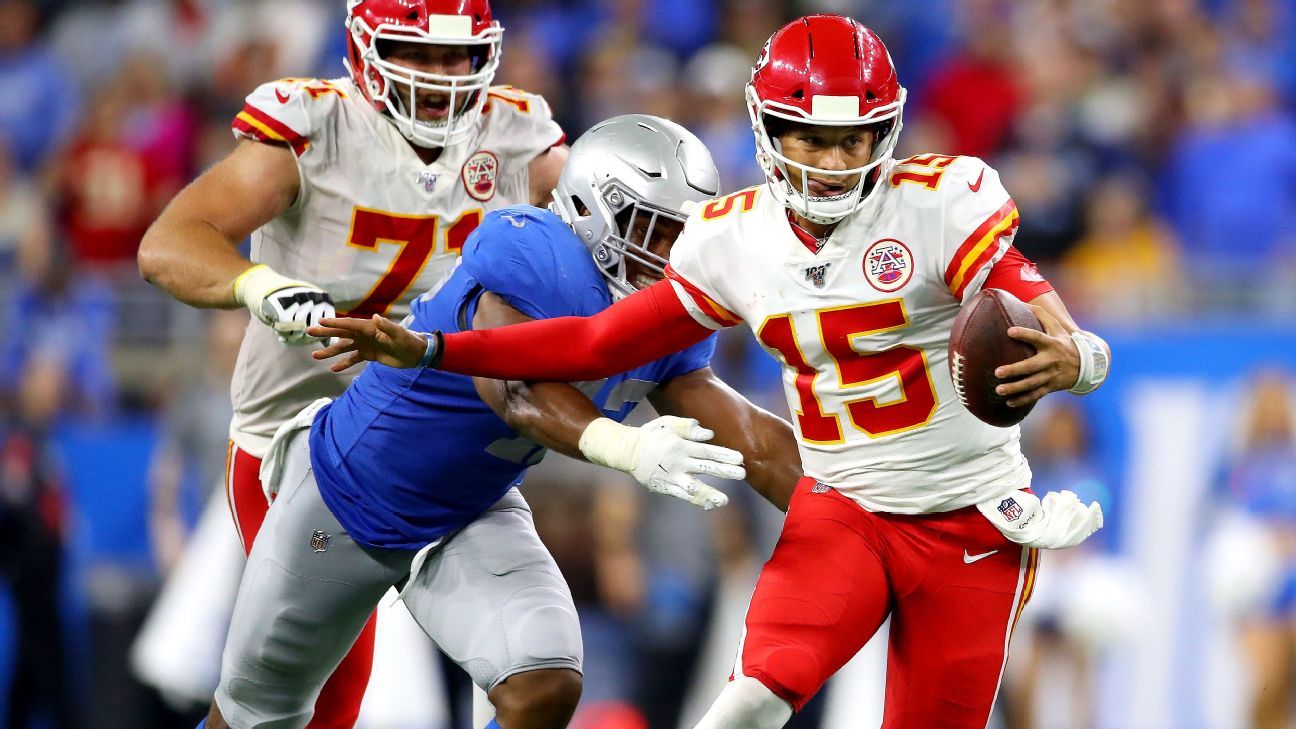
(850, 268)
(357, 193)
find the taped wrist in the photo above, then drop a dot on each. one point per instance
(256, 283)
(605, 442)
(1095, 363)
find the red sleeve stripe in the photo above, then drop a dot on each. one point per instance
(721, 315)
(979, 248)
(263, 127)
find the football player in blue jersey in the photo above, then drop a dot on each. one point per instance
(409, 479)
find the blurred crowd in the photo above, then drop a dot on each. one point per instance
(1150, 146)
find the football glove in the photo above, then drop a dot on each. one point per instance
(665, 455)
(283, 304)
(1060, 521)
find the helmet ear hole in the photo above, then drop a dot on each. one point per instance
(579, 206)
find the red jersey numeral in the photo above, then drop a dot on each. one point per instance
(838, 329)
(929, 178)
(725, 205)
(778, 333)
(417, 237)
(511, 96)
(917, 395)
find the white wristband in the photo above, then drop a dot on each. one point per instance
(1095, 363)
(605, 442)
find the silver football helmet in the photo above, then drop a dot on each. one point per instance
(624, 176)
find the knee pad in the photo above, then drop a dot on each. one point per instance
(746, 704)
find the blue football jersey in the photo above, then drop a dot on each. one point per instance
(406, 456)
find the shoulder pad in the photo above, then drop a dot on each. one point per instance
(288, 111)
(520, 125)
(531, 258)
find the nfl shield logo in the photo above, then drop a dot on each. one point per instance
(1010, 509)
(319, 541)
(815, 274)
(427, 179)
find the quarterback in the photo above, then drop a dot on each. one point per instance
(358, 193)
(849, 267)
(409, 477)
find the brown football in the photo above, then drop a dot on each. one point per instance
(979, 343)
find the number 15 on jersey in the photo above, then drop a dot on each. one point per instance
(838, 329)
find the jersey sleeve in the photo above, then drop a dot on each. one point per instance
(644, 326)
(531, 259)
(280, 112)
(526, 123)
(694, 259)
(980, 223)
(1017, 275)
(690, 360)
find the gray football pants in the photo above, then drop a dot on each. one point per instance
(490, 596)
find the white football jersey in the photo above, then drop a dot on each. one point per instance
(372, 225)
(862, 327)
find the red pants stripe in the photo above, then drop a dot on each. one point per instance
(338, 704)
(952, 585)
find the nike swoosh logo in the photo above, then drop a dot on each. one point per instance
(970, 558)
(283, 99)
(974, 186)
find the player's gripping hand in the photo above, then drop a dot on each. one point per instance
(376, 339)
(285, 305)
(666, 455)
(1053, 367)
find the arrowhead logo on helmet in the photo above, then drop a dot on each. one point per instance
(824, 70)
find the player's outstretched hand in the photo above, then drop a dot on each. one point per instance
(1054, 366)
(666, 455)
(377, 339)
(672, 453)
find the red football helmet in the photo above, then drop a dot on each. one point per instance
(465, 23)
(824, 69)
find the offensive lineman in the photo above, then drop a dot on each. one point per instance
(849, 267)
(358, 193)
(408, 478)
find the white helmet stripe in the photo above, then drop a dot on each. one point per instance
(834, 108)
(450, 26)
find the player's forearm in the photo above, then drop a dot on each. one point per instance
(191, 261)
(191, 251)
(632, 332)
(553, 414)
(766, 441)
(774, 466)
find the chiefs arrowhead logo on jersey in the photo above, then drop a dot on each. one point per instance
(888, 265)
(479, 174)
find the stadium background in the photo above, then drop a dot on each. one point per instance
(1150, 146)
